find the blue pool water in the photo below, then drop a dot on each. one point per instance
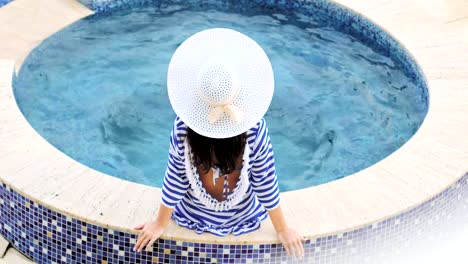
(4, 2)
(97, 91)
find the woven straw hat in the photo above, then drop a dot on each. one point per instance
(220, 82)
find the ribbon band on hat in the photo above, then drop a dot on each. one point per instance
(233, 111)
(220, 77)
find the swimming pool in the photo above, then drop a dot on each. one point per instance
(96, 91)
(4, 2)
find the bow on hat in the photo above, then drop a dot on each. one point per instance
(220, 77)
(233, 111)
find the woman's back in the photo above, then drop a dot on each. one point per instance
(254, 191)
(217, 187)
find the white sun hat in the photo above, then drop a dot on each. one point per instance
(220, 82)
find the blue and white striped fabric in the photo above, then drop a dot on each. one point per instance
(261, 195)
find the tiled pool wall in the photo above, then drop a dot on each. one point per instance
(48, 236)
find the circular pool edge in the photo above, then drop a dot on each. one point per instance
(389, 188)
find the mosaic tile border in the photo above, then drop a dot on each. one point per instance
(50, 237)
(337, 16)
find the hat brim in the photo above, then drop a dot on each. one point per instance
(245, 56)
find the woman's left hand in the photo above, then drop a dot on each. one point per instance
(292, 241)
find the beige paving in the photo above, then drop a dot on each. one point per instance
(434, 158)
(25, 23)
(12, 256)
(3, 246)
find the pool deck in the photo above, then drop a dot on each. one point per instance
(12, 256)
(434, 158)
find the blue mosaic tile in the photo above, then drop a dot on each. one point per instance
(47, 236)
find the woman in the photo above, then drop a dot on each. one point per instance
(221, 174)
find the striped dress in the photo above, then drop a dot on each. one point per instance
(256, 190)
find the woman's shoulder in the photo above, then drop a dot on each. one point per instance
(256, 134)
(179, 130)
(257, 129)
(179, 124)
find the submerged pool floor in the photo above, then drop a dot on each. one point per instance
(97, 91)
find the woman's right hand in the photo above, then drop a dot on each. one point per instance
(149, 232)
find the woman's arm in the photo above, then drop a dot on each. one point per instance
(175, 186)
(288, 236)
(277, 218)
(164, 215)
(152, 230)
(264, 182)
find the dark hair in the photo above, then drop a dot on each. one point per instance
(226, 150)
